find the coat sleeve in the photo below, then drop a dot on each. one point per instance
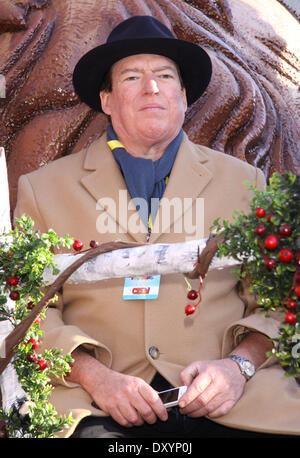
(56, 333)
(254, 319)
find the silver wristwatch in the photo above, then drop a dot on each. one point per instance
(246, 367)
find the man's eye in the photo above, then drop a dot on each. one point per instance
(131, 78)
(166, 76)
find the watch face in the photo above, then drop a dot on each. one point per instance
(249, 368)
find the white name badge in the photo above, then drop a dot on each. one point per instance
(143, 287)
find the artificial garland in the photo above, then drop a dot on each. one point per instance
(24, 254)
(267, 243)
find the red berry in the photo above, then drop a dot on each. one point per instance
(30, 305)
(13, 280)
(260, 229)
(285, 230)
(192, 295)
(32, 357)
(34, 343)
(190, 309)
(292, 304)
(14, 295)
(260, 212)
(285, 255)
(38, 320)
(94, 244)
(290, 318)
(297, 290)
(270, 263)
(271, 242)
(77, 245)
(42, 364)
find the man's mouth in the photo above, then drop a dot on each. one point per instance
(151, 107)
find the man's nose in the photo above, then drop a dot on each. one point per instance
(151, 86)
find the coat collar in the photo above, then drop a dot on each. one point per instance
(190, 175)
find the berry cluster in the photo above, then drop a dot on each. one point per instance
(192, 295)
(24, 254)
(32, 357)
(274, 243)
(14, 284)
(14, 295)
(266, 244)
(78, 245)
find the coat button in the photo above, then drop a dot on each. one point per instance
(154, 352)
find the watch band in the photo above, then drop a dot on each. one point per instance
(246, 367)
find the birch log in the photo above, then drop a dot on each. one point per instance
(158, 259)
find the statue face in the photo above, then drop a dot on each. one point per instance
(147, 103)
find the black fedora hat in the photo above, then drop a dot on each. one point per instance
(141, 35)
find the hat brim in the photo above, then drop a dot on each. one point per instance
(193, 61)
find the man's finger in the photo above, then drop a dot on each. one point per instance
(153, 400)
(188, 374)
(204, 405)
(144, 409)
(222, 409)
(118, 416)
(197, 387)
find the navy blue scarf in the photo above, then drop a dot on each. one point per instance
(145, 179)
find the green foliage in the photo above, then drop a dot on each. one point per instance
(24, 254)
(276, 287)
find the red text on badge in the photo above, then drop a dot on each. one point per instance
(140, 290)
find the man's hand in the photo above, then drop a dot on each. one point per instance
(213, 388)
(129, 400)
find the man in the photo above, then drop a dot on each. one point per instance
(125, 350)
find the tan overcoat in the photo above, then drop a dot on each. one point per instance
(75, 195)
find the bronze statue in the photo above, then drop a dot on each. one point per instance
(250, 109)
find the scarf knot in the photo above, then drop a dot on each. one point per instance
(146, 180)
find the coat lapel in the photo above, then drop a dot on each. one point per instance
(104, 181)
(190, 175)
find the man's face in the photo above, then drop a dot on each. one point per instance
(147, 103)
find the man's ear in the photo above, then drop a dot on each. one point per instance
(105, 101)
